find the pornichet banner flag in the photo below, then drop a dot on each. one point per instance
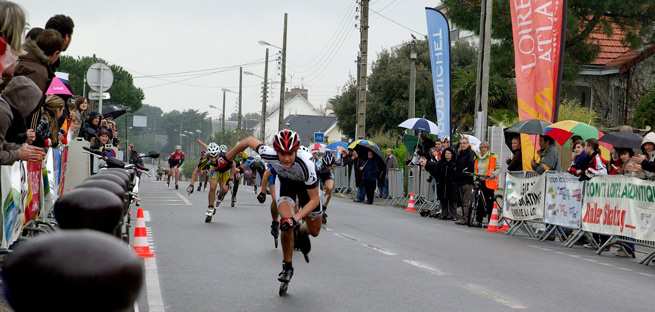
(439, 46)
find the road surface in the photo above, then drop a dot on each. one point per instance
(371, 258)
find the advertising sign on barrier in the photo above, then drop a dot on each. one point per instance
(14, 182)
(33, 200)
(524, 198)
(563, 200)
(619, 205)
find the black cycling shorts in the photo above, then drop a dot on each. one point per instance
(324, 176)
(294, 190)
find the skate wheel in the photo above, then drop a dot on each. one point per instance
(284, 286)
(275, 241)
(208, 219)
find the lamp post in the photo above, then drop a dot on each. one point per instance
(283, 68)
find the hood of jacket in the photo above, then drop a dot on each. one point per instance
(23, 95)
(648, 138)
(34, 53)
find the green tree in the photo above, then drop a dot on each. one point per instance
(633, 17)
(645, 113)
(122, 91)
(573, 110)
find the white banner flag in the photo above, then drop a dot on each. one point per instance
(619, 205)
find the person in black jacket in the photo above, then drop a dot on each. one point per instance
(516, 162)
(465, 166)
(444, 171)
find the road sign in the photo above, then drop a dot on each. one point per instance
(94, 96)
(139, 121)
(99, 77)
(319, 137)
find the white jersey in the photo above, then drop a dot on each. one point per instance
(303, 169)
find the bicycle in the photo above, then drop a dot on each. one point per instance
(478, 200)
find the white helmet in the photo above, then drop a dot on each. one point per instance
(213, 149)
(223, 148)
(304, 148)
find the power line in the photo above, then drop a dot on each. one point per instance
(198, 71)
(397, 23)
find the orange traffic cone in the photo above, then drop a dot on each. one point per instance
(492, 227)
(410, 203)
(141, 246)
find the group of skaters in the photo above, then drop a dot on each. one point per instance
(291, 174)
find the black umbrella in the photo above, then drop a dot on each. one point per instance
(530, 126)
(113, 111)
(622, 140)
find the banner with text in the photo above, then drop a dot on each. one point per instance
(563, 200)
(619, 205)
(537, 28)
(13, 190)
(524, 198)
(439, 46)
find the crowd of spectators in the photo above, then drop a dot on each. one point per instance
(33, 114)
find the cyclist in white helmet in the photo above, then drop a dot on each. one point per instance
(297, 193)
(216, 178)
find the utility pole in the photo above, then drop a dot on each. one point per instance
(264, 98)
(360, 130)
(223, 117)
(240, 100)
(482, 83)
(412, 81)
(280, 125)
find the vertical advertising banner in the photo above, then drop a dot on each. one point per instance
(14, 183)
(537, 28)
(33, 200)
(439, 46)
(619, 205)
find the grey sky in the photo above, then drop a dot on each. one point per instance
(156, 37)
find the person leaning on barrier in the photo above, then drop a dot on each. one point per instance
(594, 166)
(18, 100)
(549, 156)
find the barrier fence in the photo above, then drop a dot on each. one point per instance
(555, 204)
(28, 190)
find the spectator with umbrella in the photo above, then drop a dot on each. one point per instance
(366, 161)
(548, 156)
(370, 175)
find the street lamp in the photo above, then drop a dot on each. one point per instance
(267, 44)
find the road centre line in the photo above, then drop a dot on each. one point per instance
(425, 267)
(487, 293)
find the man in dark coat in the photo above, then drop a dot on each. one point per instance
(465, 161)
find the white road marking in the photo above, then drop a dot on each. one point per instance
(646, 274)
(184, 199)
(146, 215)
(624, 269)
(425, 267)
(153, 290)
(365, 245)
(486, 293)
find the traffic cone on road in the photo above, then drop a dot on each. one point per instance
(492, 227)
(141, 246)
(410, 203)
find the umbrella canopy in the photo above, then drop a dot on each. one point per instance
(113, 111)
(420, 124)
(622, 140)
(562, 131)
(474, 142)
(318, 147)
(363, 146)
(57, 87)
(335, 145)
(530, 126)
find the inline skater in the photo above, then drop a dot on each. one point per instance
(324, 166)
(296, 191)
(236, 178)
(175, 161)
(268, 184)
(216, 178)
(203, 174)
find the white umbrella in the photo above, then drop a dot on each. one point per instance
(420, 124)
(475, 142)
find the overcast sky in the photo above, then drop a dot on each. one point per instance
(149, 37)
